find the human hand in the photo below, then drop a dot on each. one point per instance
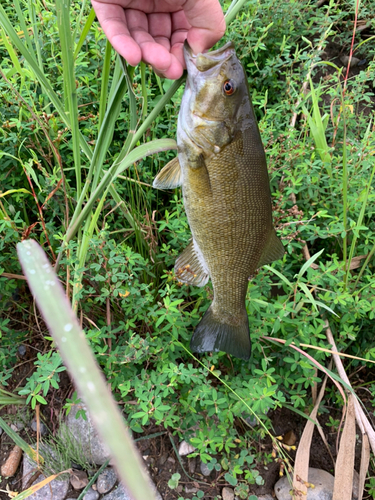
(154, 31)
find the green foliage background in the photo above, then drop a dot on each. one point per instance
(137, 317)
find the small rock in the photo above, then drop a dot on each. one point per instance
(162, 459)
(122, 493)
(42, 427)
(265, 497)
(79, 479)
(190, 489)
(17, 426)
(204, 469)
(227, 493)
(10, 466)
(185, 449)
(86, 434)
(252, 421)
(171, 460)
(290, 438)
(345, 60)
(91, 495)
(21, 351)
(106, 480)
(322, 481)
(179, 488)
(59, 487)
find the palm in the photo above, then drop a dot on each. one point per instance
(154, 30)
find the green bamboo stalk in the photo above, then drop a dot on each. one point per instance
(77, 355)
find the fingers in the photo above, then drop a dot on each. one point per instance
(208, 24)
(113, 21)
(152, 33)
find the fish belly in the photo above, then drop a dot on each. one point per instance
(228, 206)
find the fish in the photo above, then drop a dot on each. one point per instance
(221, 167)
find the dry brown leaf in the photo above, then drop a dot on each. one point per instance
(301, 464)
(344, 472)
(11, 464)
(365, 460)
(354, 263)
(362, 421)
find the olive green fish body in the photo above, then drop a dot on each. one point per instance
(222, 169)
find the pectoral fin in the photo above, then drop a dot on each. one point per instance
(170, 176)
(274, 250)
(191, 267)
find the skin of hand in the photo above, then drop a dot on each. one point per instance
(154, 31)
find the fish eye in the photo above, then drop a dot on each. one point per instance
(229, 87)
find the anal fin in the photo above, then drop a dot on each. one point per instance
(274, 250)
(169, 177)
(190, 266)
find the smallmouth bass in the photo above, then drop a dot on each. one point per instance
(221, 166)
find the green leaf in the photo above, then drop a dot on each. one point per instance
(74, 350)
(308, 263)
(230, 479)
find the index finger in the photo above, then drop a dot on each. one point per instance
(113, 21)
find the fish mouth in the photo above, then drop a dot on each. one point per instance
(204, 62)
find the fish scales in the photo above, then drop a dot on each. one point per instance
(222, 169)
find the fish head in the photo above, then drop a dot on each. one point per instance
(216, 101)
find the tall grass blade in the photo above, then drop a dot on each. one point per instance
(137, 154)
(362, 212)
(18, 440)
(85, 31)
(308, 263)
(104, 83)
(40, 76)
(66, 42)
(233, 10)
(21, 20)
(78, 357)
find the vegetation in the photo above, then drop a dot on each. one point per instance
(83, 136)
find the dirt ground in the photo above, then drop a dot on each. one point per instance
(160, 456)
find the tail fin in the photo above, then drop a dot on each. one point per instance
(213, 335)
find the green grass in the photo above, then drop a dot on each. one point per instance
(91, 134)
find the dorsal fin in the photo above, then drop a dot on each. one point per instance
(190, 266)
(169, 177)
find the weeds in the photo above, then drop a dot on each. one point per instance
(75, 175)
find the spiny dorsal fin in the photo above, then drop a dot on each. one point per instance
(190, 266)
(170, 176)
(274, 250)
